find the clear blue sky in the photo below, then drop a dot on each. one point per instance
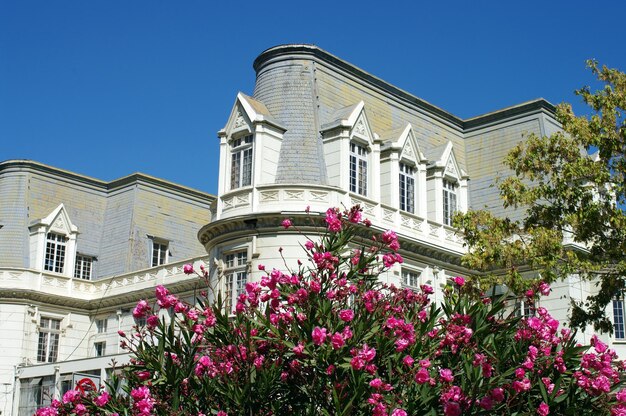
(107, 88)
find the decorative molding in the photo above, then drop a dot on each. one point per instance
(318, 196)
(243, 199)
(359, 128)
(451, 169)
(408, 151)
(59, 225)
(268, 196)
(294, 195)
(239, 120)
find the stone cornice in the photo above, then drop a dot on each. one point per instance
(249, 225)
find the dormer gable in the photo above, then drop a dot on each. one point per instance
(403, 141)
(352, 151)
(350, 121)
(58, 221)
(442, 159)
(53, 242)
(245, 114)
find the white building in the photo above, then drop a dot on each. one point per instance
(320, 132)
(77, 253)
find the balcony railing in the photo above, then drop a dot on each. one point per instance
(54, 284)
(294, 198)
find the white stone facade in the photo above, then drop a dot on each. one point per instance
(317, 132)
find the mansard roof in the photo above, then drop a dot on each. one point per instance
(309, 51)
(308, 90)
(25, 165)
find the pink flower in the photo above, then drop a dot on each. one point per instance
(497, 394)
(422, 376)
(544, 289)
(337, 340)
(286, 223)
(333, 219)
(408, 361)
(398, 412)
(318, 335)
(102, 399)
(451, 409)
(543, 409)
(71, 396)
(599, 346)
(459, 281)
(346, 315)
(446, 375)
(621, 396)
(376, 383)
(141, 309)
(188, 268)
(152, 321)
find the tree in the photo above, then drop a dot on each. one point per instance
(573, 188)
(328, 338)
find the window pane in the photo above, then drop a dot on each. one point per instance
(48, 341)
(55, 253)
(247, 168)
(618, 318)
(235, 278)
(234, 170)
(159, 253)
(352, 173)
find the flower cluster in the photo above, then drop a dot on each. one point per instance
(330, 338)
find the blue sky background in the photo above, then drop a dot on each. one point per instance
(107, 88)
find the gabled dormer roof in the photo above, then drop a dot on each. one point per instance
(58, 221)
(345, 116)
(353, 117)
(246, 112)
(442, 157)
(404, 141)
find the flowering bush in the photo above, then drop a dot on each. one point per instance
(328, 338)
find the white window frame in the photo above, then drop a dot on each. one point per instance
(241, 161)
(83, 267)
(525, 308)
(56, 252)
(159, 253)
(410, 278)
(99, 348)
(619, 329)
(406, 184)
(235, 277)
(101, 325)
(450, 200)
(359, 156)
(49, 335)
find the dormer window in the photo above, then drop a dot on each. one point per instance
(55, 253)
(358, 169)
(449, 201)
(160, 252)
(83, 266)
(407, 188)
(241, 162)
